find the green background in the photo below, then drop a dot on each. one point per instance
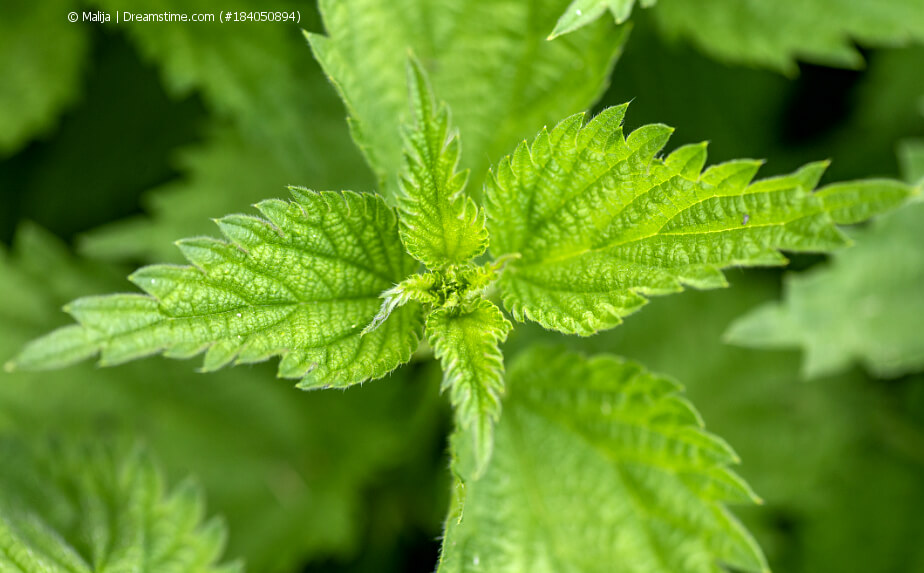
(119, 143)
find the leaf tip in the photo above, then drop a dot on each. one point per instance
(560, 29)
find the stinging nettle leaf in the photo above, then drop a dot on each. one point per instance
(467, 343)
(439, 224)
(92, 509)
(601, 223)
(301, 284)
(602, 466)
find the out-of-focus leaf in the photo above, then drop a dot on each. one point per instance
(41, 59)
(70, 508)
(775, 34)
(771, 34)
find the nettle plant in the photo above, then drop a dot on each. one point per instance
(561, 462)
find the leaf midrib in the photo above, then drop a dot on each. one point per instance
(580, 253)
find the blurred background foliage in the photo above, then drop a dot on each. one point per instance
(116, 140)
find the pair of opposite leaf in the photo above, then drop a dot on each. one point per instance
(584, 224)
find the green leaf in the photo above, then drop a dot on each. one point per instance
(84, 509)
(40, 79)
(864, 306)
(598, 465)
(301, 284)
(488, 60)
(467, 343)
(771, 34)
(601, 223)
(440, 225)
(582, 12)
